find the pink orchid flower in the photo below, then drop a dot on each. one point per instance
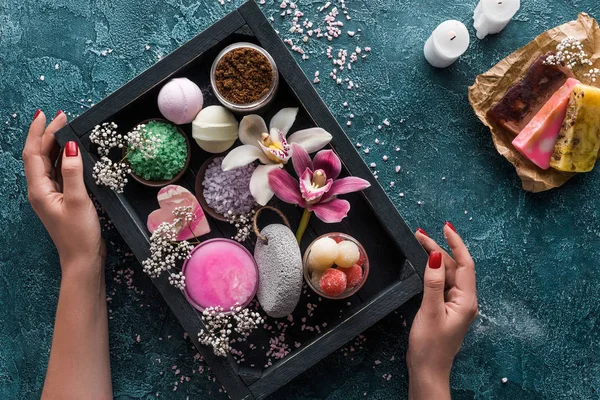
(318, 187)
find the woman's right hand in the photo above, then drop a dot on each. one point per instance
(448, 308)
(65, 208)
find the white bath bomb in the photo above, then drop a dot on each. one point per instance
(348, 254)
(215, 129)
(323, 254)
(279, 271)
(180, 100)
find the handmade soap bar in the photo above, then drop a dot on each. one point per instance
(536, 141)
(578, 142)
(523, 100)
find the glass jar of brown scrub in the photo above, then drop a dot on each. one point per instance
(244, 77)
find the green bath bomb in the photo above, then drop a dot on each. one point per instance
(279, 271)
(171, 153)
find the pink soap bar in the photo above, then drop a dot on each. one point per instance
(536, 141)
(220, 272)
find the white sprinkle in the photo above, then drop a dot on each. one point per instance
(397, 148)
(376, 141)
(373, 165)
(147, 47)
(392, 183)
(466, 212)
(351, 115)
(379, 127)
(316, 80)
(401, 194)
(345, 104)
(349, 123)
(351, 33)
(42, 78)
(443, 178)
(358, 145)
(317, 73)
(14, 115)
(367, 150)
(419, 202)
(504, 380)
(397, 168)
(470, 218)
(386, 122)
(56, 66)
(385, 158)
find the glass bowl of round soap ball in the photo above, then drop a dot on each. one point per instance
(176, 177)
(335, 266)
(244, 77)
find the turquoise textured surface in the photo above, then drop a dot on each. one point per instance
(536, 254)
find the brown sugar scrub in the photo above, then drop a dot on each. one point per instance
(244, 77)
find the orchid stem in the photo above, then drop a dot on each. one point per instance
(303, 224)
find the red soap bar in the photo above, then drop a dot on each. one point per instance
(524, 99)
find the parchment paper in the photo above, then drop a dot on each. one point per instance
(491, 86)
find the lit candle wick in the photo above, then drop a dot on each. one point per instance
(452, 35)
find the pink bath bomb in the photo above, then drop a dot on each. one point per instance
(180, 100)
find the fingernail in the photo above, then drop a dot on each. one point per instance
(435, 260)
(58, 113)
(450, 226)
(71, 149)
(36, 114)
(422, 232)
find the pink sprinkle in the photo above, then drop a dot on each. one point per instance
(377, 362)
(138, 338)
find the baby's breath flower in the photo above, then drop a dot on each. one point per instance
(166, 253)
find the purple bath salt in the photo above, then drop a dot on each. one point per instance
(226, 191)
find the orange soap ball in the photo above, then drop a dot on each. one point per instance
(354, 275)
(333, 282)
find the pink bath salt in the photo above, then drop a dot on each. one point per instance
(171, 197)
(220, 272)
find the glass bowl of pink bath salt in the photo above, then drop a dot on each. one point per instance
(220, 273)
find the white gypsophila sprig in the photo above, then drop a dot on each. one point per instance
(111, 174)
(219, 327)
(143, 140)
(570, 53)
(243, 224)
(106, 137)
(166, 253)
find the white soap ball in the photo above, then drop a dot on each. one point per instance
(323, 254)
(315, 278)
(215, 129)
(348, 254)
(279, 271)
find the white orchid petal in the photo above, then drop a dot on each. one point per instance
(251, 128)
(243, 155)
(284, 120)
(259, 183)
(311, 140)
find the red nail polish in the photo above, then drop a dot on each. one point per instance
(422, 232)
(435, 260)
(451, 226)
(58, 113)
(71, 149)
(36, 114)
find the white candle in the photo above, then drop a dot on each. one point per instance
(491, 16)
(447, 42)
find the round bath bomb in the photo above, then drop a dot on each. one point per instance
(323, 254)
(180, 100)
(215, 129)
(348, 254)
(354, 275)
(279, 271)
(333, 282)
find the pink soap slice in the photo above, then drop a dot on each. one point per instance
(536, 141)
(169, 198)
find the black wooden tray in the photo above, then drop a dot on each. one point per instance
(397, 260)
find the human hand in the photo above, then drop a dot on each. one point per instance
(448, 308)
(65, 208)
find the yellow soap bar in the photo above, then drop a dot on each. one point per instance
(576, 149)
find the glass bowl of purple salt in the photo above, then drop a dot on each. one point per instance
(223, 194)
